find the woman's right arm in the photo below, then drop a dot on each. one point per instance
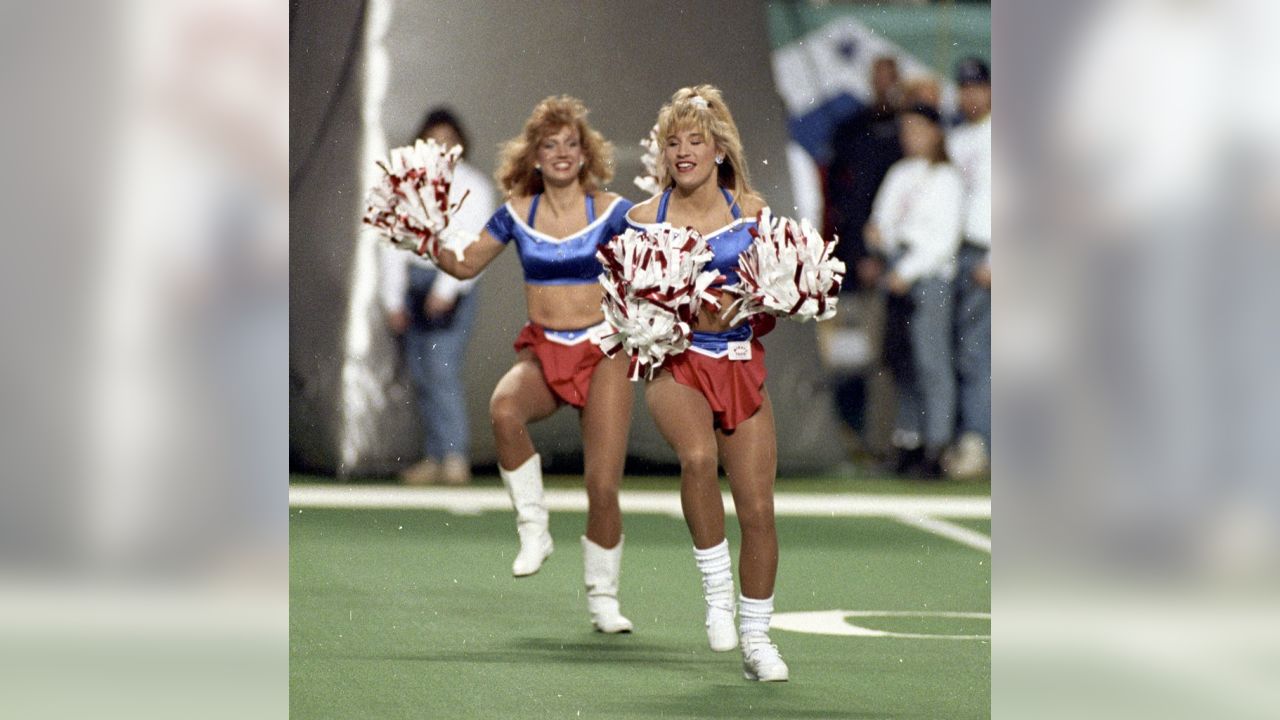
(474, 259)
(493, 238)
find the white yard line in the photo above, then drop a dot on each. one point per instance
(949, 530)
(471, 500)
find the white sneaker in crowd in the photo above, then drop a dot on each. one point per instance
(456, 470)
(423, 472)
(968, 457)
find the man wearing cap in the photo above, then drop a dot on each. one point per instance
(970, 148)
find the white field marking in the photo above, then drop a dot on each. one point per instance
(471, 500)
(832, 622)
(949, 530)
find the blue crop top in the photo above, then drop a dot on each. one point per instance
(559, 261)
(726, 244)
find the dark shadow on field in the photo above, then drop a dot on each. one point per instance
(611, 649)
(746, 699)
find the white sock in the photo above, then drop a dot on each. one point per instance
(754, 615)
(714, 564)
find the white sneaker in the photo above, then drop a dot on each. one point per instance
(760, 659)
(455, 470)
(722, 635)
(968, 458)
(423, 472)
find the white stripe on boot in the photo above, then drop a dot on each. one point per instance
(600, 570)
(524, 486)
(717, 590)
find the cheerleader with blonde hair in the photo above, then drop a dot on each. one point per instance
(709, 401)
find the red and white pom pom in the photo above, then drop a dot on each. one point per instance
(788, 271)
(410, 204)
(649, 181)
(654, 285)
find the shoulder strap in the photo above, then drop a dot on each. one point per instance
(733, 204)
(591, 209)
(533, 208)
(662, 205)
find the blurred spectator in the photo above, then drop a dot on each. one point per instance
(970, 146)
(864, 148)
(433, 313)
(922, 90)
(915, 223)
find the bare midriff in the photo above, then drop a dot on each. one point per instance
(564, 307)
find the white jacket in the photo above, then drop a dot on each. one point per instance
(918, 211)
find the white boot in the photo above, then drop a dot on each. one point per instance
(760, 657)
(600, 570)
(717, 590)
(524, 485)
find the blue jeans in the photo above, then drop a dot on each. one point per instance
(434, 351)
(918, 350)
(973, 345)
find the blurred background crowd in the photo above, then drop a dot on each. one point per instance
(817, 90)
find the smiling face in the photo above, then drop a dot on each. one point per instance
(560, 156)
(690, 155)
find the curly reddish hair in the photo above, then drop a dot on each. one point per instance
(516, 174)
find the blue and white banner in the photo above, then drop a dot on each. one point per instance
(822, 62)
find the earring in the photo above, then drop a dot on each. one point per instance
(537, 166)
(582, 164)
(720, 160)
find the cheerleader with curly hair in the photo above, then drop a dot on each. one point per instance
(556, 214)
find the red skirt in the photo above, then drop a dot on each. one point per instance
(568, 359)
(734, 388)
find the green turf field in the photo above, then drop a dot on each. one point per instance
(413, 613)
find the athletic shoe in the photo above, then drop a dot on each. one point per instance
(968, 459)
(455, 471)
(423, 472)
(760, 659)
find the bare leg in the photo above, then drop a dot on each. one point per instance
(751, 462)
(685, 419)
(521, 397)
(605, 422)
